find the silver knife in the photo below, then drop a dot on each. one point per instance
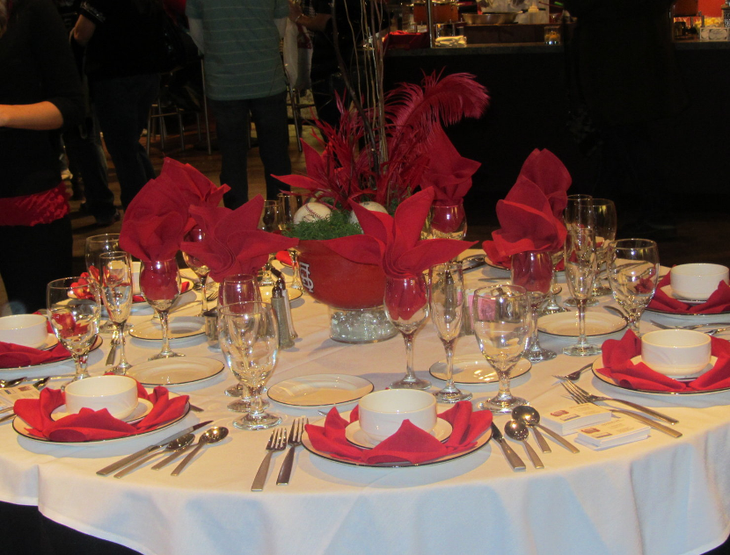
(560, 439)
(141, 453)
(512, 457)
(175, 454)
(649, 422)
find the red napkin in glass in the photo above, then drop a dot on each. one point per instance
(448, 173)
(90, 425)
(14, 356)
(184, 286)
(232, 243)
(409, 443)
(718, 302)
(617, 355)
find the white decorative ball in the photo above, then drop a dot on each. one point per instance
(311, 212)
(370, 205)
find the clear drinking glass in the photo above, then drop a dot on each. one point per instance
(447, 221)
(552, 306)
(500, 319)
(604, 211)
(116, 292)
(201, 270)
(633, 272)
(159, 281)
(95, 246)
(446, 304)
(406, 306)
(250, 335)
(534, 271)
(272, 220)
(73, 311)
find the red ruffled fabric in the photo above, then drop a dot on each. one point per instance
(718, 302)
(448, 173)
(39, 208)
(14, 356)
(185, 286)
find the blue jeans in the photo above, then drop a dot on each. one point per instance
(272, 131)
(122, 105)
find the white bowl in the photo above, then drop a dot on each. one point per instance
(697, 281)
(29, 330)
(136, 268)
(383, 412)
(676, 352)
(117, 394)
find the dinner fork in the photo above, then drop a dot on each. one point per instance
(295, 439)
(578, 392)
(574, 376)
(277, 442)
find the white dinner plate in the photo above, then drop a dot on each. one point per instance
(51, 342)
(475, 369)
(180, 327)
(320, 390)
(355, 435)
(175, 371)
(94, 347)
(565, 324)
(142, 409)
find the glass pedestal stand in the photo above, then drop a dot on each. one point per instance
(360, 325)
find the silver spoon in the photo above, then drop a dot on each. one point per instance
(519, 431)
(531, 417)
(10, 383)
(213, 435)
(179, 443)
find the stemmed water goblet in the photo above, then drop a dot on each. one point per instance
(500, 322)
(116, 293)
(447, 221)
(250, 335)
(633, 272)
(534, 271)
(95, 246)
(271, 221)
(446, 306)
(604, 211)
(406, 306)
(159, 281)
(73, 311)
(201, 270)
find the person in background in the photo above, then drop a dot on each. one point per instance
(40, 93)
(244, 76)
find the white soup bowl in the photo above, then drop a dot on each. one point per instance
(117, 394)
(29, 330)
(676, 353)
(382, 413)
(697, 281)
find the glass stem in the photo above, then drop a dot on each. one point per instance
(581, 303)
(296, 280)
(204, 281)
(123, 364)
(449, 348)
(256, 407)
(504, 392)
(533, 345)
(410, 375)
(165, 333)
(81, 361)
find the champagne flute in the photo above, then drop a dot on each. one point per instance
(116, 292)
(250, 334)
(633, 272)
(271, 221)
(73, 311)
(446, 304)
(604, 211)
(447, 221)
(95, 246)
(500, 322)
(159, 281)
(406, 306)
(201, 270)
(534, 271)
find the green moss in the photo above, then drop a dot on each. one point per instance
(337, 225)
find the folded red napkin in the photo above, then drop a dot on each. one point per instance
(184, 286)
(530, 216)
(718, 302)
(448, 173)
(232, 243)
(409, 443)
(284, 257)
(617, 355)
(14, 356)
(90, 425)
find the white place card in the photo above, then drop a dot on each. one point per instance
(567, 420)
(618, 431)
(9, 395)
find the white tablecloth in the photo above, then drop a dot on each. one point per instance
(659, 496)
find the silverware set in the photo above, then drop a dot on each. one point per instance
(278, 442)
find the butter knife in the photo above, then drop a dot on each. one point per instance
(171, 457)
(512, 457)
(154, 447)
(649, 422)
(560, 439)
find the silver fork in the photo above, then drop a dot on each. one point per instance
(295, 439)
(574, 376)
(577, 391)
(277, 442)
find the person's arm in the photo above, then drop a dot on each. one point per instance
(39, 117)
(84, 30)
(316, 23)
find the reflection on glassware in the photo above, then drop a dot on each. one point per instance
(406, 305)
(73, 311)
(116, 292)
(250, 336)
(534, 271)
(447, 221)
(201, 270)
(95, 246)
(272, 220)
(633, 272)
(159, 281)
(446, 304)
(500, 321)
(604, 211)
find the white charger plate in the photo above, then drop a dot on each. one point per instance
(565, 324)
(180, 327)
(475, 369)
(142, 409)
(355, 435)
(320, 390)
(175, 371)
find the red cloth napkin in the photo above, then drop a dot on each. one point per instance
(617, 355)
(718, 302)
(232, 243)
(184, 286)
(530, 217)
(14, 356)
(284, 257)
(90, 425)
(447, 172)
(409, 443)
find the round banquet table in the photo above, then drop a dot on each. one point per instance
(658, 496)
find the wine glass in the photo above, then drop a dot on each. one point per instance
(552, 306)
(159, 281)
(201, 270)
(447, 221)
(604, 211)
(406, 306)
(272, 221)
(116, 292)
(95, 246)
(251, 337)
(500, 321)
(290, 203)
(73, 311)
(572, 201)
(534, 271)
(446, 304)
(633, 272)
(580, 266)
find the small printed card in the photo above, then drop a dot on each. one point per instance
(9, 395)
(618, 431)
(568, 420)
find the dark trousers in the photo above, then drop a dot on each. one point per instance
(122, 105)
(233, 119)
